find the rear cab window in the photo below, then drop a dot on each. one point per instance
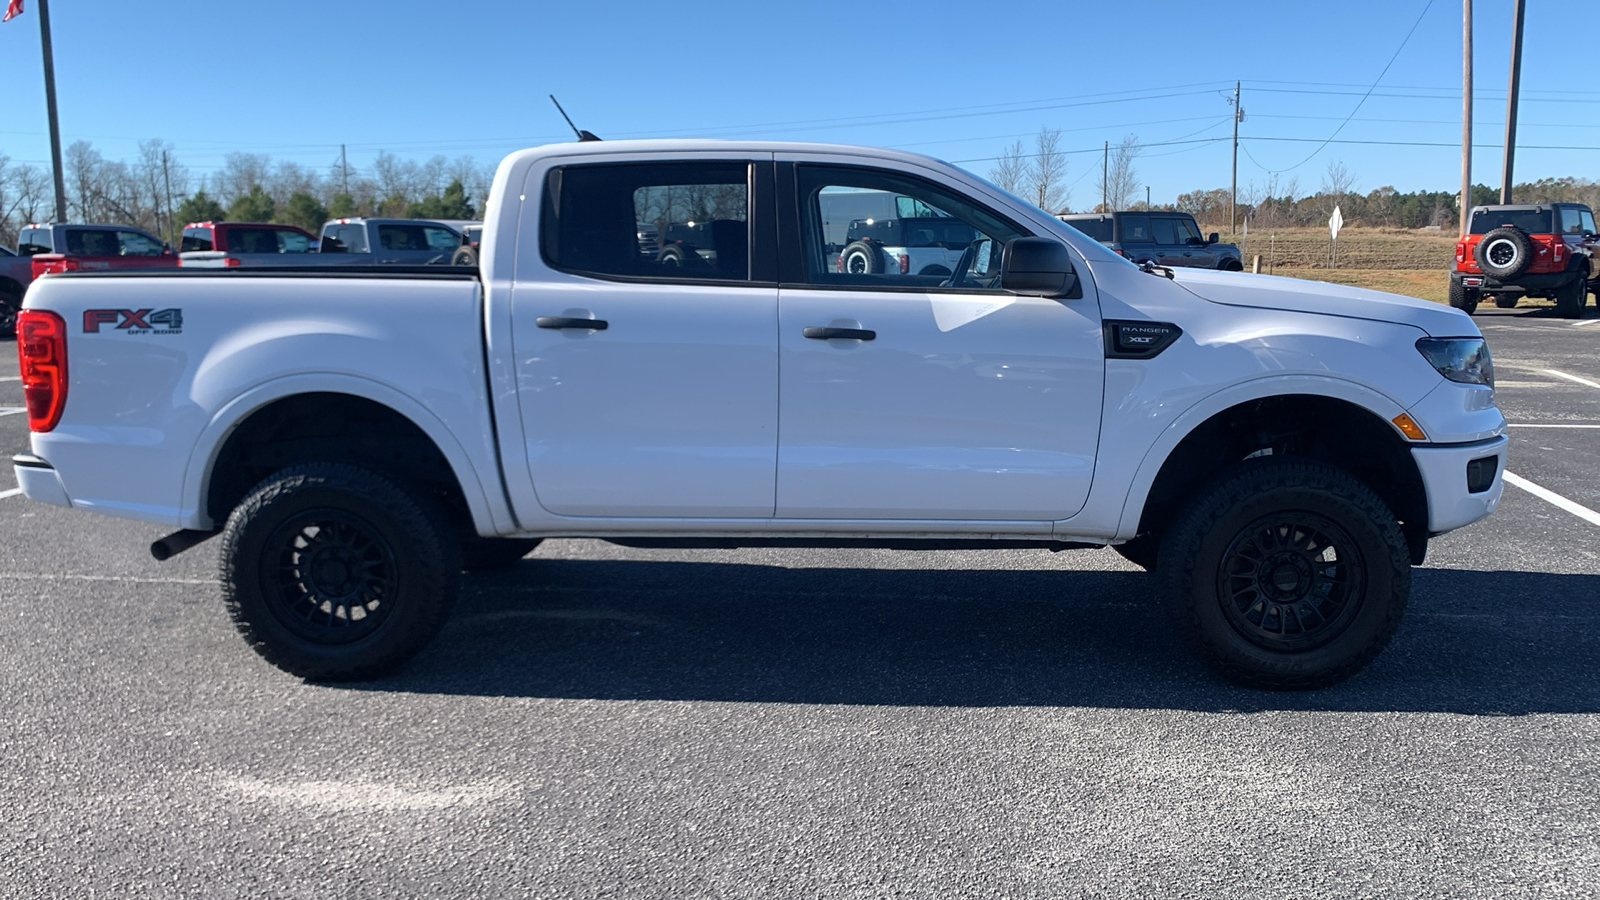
(195, 239)
(1098, 228)
(34, 241)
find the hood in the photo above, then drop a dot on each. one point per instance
(1299, 295)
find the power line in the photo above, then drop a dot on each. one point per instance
(1364, 97)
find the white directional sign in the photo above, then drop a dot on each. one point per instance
(1335, 222)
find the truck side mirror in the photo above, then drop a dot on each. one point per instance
(1038, 267)
(1213, 238)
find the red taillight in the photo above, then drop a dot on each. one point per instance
(231, 262)
(905, 264)
(1557, 245)
(1461, 252)
(42, 356)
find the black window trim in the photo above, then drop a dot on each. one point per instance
(792, 264)
(761, 237)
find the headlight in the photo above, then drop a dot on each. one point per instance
(1459, 359)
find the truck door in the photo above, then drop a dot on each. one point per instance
(926, 397)
(646, 374)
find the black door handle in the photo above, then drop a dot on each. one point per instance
(828, 333)
(570, 322)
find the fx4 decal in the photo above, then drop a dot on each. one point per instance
(134, 321)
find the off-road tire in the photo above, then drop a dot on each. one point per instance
(1272, 538)
(1506, 301)
(480, 553)
(861, 258)
(1231, 265)
(333, 573)
(1462, 297)
(1504, 252)
(464, 256)
(1570, 298)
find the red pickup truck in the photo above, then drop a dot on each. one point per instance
(233, 244)
(70, 248)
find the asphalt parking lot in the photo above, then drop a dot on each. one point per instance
(609, 722)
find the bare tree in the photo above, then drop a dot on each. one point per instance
(241, 172)
(1011, 170)
(1335, 185)
(1049, 167)
(1120, 182)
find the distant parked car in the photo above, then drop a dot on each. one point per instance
(233, 244)
(404, 242)
(1164, 238)
(1527, 250)
(70, 248)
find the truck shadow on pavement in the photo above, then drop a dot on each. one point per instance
(1475, 643)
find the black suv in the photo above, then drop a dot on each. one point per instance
(1164, 238)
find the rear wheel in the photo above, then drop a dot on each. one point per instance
(333, 572)
(1289, 574)
(1462, 297)
(1570, 299)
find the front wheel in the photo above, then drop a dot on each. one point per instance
(332, 572)
(10, 305)
(1289, 574)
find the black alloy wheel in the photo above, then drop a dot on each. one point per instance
(1291, 581)
(332, 578)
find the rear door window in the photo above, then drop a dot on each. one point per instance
(1136, 229)
(92, 242)
(1161, 227)
(593, 217)
(253, 240)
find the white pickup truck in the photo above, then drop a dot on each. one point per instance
(1279, 452)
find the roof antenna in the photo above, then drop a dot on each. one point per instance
(582, 135)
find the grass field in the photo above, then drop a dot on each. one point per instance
(1408, 261)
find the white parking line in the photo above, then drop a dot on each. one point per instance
(1527, 425)
(11, 493)
(12, 410)
(1553, 498)
(19, 377)
(1571, 378)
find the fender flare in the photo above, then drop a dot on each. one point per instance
(1380, 405)
(490, 513)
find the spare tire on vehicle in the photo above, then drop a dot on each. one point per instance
(464, 256)
(1504, 252)
(861, 258)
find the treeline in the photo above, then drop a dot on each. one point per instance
(159, 193)
(1384, 207)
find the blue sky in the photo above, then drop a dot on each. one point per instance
(957, 81)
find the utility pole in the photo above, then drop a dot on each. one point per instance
(1466, 114)
(1511, 102)
(344, 171)
(1233, 190)
(1105, 170)
(50, 105)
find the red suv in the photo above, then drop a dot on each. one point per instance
(1527, 250)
